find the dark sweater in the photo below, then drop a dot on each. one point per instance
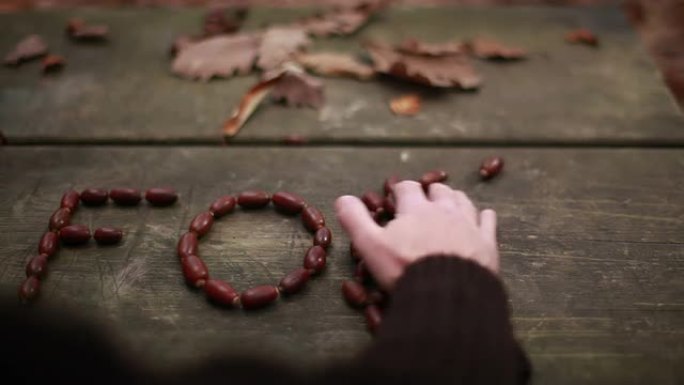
(448, 323)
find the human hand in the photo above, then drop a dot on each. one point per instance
(443, 222)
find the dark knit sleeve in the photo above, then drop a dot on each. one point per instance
(448, 322)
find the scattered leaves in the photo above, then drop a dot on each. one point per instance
(296, 88)
(335, 64)
(416, 47)
(279, 45)
(582, 36)
(406, 105)
(486, 48)
(52, 63)
(217, 56)
(78, 30)
(436, 71)
(31, 47)
(248, 105)
(223, 21)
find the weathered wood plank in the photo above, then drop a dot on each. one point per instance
(592, 249)
(124, 92)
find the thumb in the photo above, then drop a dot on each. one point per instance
(355, 218)
(366, 236)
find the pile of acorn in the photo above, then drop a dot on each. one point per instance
(362, 292)
(221, 292)
(61, 229)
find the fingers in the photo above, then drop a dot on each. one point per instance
(355, 218)
(367, 238)
(440, 192)
(466, 205)
(488, 224)
(408, 195)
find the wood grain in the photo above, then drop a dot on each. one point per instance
(123, 92)
(592, 249)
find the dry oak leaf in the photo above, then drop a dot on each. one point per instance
(370, 5)
(417, 47)
(217, 21)
(582, 36)
(342, 21)
(296, 88)
(279, 45)
(406, 105)
(78, 30)
(335, 64)
(222, 20)
(248, 105)
(486, 48)
(220, 56)
(436, 71)
(30, 47)
(181, 42)
(289, 83)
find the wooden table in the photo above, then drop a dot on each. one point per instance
(123, 93)
(591, 208)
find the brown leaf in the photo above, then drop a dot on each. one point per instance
(279, 45)
(248, 105)
(416, 47)
(78, 30)
(52, 63)
(436, 71)
(343, 20)
(222, 20)
(73, 25)
(582, 36)
(217, 56)
(406, 105)
(372, 5)
(217, 21)
(181, 42)
(289, 84)
(298, 89)
(31, 47)
(485, 48)
(335, 64)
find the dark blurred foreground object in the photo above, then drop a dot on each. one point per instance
(43, 345)
(448, 323)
